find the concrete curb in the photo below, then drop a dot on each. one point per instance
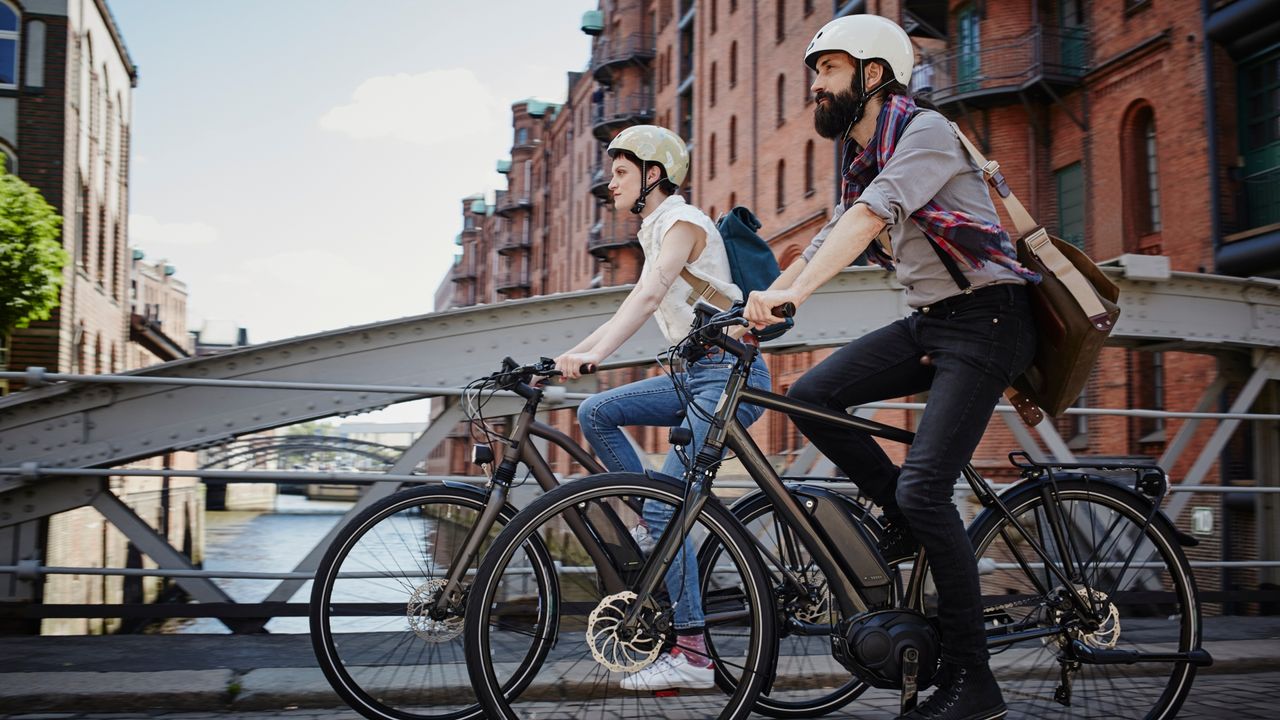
(277, 688)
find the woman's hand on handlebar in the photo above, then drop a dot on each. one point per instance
(575, 365)
(765, 307)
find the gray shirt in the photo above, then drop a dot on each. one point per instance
(928, 164)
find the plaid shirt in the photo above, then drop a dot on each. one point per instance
(963, 237)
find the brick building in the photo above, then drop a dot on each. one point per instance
(66, 85)
(1126, 126)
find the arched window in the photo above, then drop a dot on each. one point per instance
(711, 158)
(1141, 179)
(711, 93)
(808, 168)
(733, 63)
(733, 139)
(782, 185)
(715, 8)
(9, 35)
(733, 200)
(780, 29)
(782, 92)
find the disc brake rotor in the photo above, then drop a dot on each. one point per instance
(418, 614)
(1105, 635)
(612, 644)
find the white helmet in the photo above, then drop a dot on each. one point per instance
(654, 143)
(866, 37)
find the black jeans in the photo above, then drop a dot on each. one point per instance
(976, 345)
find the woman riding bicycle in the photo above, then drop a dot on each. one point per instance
(684, 259)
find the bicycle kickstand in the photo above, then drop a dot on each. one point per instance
(910, 669)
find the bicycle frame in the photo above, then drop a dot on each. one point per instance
(842, 577)
(518, 450)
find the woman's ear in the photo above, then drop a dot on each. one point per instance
(654, 175)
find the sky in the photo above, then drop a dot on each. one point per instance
(302, 162)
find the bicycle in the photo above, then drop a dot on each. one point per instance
(387, 601)
(1068, 553)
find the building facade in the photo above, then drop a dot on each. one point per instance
(1124, 126)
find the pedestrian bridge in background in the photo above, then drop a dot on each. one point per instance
(59, 441)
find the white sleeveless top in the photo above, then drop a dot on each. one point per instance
(674, 314)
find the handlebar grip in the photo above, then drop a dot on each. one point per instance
(586, 369)
(785, 310)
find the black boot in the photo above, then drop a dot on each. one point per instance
(965, 693)
(897, 544)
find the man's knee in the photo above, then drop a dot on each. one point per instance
(917, 493)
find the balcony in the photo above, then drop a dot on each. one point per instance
(616, 112)
(506, 203)
(612, 53)
(512, 241)
(614, 231)
(464, 268)
(1005, 68)
(512, 279)
(598, 184)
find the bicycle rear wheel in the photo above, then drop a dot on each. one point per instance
(378, 647)
(1135, 577)
(582, 676)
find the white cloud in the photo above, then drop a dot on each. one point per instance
(430, 108)
(146, 232)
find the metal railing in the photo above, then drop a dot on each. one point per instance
(513, 239)
(1258, 205)
(612, 233)
(512, 278)
(621, 109)
(30, 472)
(505, 201)
(1056, 55)
(610, 52)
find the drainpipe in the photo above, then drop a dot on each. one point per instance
(1211, 127)
(755, 107)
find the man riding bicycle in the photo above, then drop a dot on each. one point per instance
(913, 201)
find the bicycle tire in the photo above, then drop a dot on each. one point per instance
(1166, 616)
(584, 688)
(376, 662)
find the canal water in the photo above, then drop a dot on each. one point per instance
(256, 541)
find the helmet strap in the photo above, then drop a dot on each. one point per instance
(865, 96)
(645, 188)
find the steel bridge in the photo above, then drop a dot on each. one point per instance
(62, 439)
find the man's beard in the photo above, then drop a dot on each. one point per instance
(832, 118)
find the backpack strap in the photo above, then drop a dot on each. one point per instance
(703, 290)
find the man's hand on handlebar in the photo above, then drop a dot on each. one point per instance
(764, 307)
(575, 365)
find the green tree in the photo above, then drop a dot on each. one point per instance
(31, 256)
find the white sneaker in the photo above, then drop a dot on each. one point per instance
(672, 670)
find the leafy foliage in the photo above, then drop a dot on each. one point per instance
(31, 256)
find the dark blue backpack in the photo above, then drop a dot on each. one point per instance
(751, 262)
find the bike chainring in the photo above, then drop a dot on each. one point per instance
(418, 614)
(617, 648)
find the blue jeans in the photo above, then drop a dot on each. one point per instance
(654, 402)
(977, 344)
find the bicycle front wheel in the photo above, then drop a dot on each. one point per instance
(370, 624)
(1132, 574)
(596, 649)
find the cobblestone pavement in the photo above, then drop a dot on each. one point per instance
(1240, 697)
